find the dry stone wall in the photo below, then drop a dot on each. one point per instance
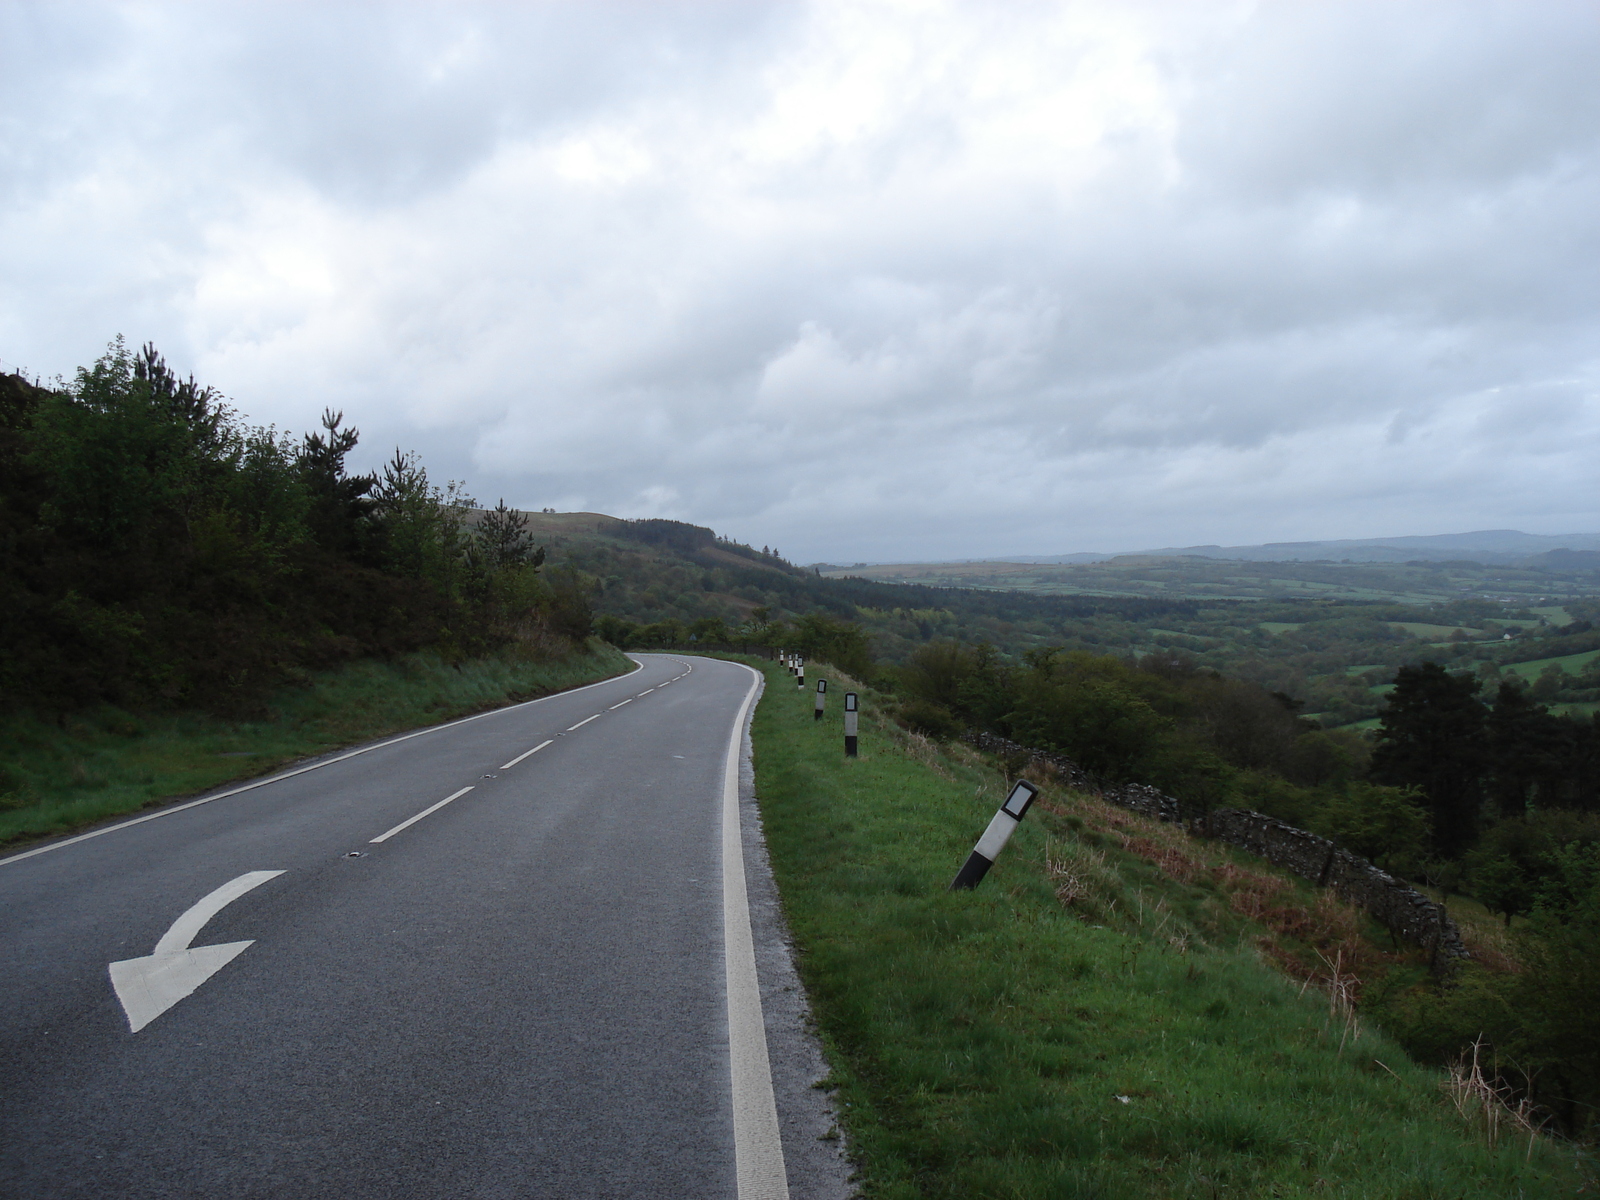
(1400, 908)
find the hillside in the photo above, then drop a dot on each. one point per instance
(1118, 1010)
(1529, 580)
(1334, 649)
(1488, 546)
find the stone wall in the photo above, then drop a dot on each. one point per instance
(1401, 909)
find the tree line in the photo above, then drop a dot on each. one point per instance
(156, 549)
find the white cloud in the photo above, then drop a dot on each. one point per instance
(861, 280)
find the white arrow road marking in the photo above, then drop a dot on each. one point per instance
(149, 986)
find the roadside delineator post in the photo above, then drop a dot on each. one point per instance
(800, 673)
(850, 725)
(995, 837)
(822, 693)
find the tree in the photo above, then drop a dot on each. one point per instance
(502, 540)
(1520, 859)
(1525, 749)
(1088, 706)
(842, 643)
(1558, 1041)
(1386, 825)
(1431, 737)
(420, 525)
(340, 504)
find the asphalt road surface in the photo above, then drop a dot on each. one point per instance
(365, 980)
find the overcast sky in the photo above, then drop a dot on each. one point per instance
(860, 281)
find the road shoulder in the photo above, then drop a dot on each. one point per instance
(814, 1149)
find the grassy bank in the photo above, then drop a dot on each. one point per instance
(55, 778)
(1100, 1017)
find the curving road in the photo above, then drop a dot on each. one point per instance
(363, 979)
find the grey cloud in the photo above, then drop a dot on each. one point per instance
(861, 281)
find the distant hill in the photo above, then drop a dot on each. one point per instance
(1492, 547)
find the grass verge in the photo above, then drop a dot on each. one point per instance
(106, 762)
(1084, 1024)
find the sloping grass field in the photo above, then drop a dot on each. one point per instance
(57, 777)
(1101, 1017)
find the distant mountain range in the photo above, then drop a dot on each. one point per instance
(1487, 546)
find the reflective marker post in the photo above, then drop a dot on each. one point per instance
(800, 673)
(822, 692)
(995, 837)
(850, 725)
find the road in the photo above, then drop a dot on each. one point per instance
(401, 987)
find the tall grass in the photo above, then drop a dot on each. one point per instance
(55, 778)
(1083, 1024)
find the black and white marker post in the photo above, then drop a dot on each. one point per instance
(822, 694)
(800, 673)
(849, 724)
(995, 837)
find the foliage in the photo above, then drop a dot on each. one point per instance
(1537, 1021)
(1436, 735)
(1385, 825)
(155, 550)
(929, 719)
(1517, 861)
(1163, 721)
(1080, 1025)
(1431, 738)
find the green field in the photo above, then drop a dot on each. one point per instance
(1423, 629)
(1555, 614)
(1572, 664)
(1083, 1024)
(1215, 578)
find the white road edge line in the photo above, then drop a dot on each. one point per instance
(409, 821)
(614, 707)
(757, 1141)
(278, 778)
(583, 722)
(524, 755)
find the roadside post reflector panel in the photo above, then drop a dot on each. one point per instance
(850, 717)
(995, 837)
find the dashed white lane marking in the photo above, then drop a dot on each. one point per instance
(524, 755)
(647, 691)
(317, 766)
(757, 1143)
(409, 821)
(583, 722)
(614, 707)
